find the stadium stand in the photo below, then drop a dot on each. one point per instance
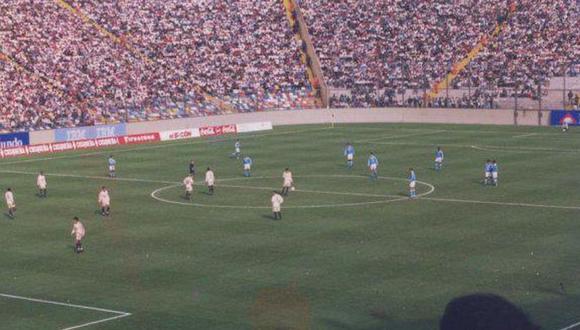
(82, 62)
(375, 50)
(114, 61)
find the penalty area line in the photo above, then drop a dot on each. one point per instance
(470, 201)
(119, 314)
(571, 326)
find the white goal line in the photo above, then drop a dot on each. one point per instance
(118, 314)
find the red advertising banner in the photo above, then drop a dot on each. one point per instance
(39, 149)
(141, 138)
(18, 151)
(15, 152)
(218, 130)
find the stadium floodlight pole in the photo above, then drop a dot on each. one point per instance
(566, 67)
(516, 96)
(447, 84)
(540, 82)
(469, 81)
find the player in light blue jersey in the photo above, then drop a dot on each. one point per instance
(112, 167)
(237, 149)
(487, 172)
(247, 161)
(373, 164)
(439, 156)
(349, 154)
(412, 183)
(494, 173)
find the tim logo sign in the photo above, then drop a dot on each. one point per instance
(91, 132)
(14, 140)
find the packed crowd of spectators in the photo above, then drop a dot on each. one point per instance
(136, 60)
(108, 60)
(402, 44)
(369, 98)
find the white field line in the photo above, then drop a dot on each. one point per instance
(158, 146)
(401, 136)
(118, 315)
(190, 142)
(524, 135)
(76, 176)
(384, 201)
(571, 326)
(470, 201)
(396, 198)
(174, 184)
(475, 147)
(98, 321)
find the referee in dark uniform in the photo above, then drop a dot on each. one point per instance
(192, 168)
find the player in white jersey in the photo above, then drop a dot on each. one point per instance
(10, 203)
(188, 183)
(565, 126)
(288, 181)
(210, 180)
(237, 149)
(104, 201)
(112, 166)
(277, 201)
(78, 232)
(41, 184)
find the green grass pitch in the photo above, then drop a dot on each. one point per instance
(221, 262)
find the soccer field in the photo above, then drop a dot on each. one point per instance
(350, 253)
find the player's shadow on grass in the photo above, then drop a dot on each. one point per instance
(269, 217)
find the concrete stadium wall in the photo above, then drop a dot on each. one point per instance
(388, 115)
(299, 117)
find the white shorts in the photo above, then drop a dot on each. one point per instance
(247, 167)
(209, 183)
(276, 208)
(412, 184)
(42, 186)
(11, 205)
(111, 168)
(189, 188)
(287, 183)
(79, 237)
(349, 157)
(237, 150)
(373, 167)
(494, 175)
(105, 204)
(439, 160)
(488, 174)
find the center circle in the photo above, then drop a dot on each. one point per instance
(224, 183)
